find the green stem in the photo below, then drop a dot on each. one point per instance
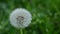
(21, 31)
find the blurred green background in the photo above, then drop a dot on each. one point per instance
(45, 16)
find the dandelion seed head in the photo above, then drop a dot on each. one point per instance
(20, 18)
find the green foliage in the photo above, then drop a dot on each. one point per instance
(45, 16)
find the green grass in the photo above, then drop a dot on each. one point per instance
(45, 16)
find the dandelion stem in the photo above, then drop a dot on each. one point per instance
(21, 31)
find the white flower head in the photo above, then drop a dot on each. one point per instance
(20, 18)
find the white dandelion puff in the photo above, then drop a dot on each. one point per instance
(20, 18)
